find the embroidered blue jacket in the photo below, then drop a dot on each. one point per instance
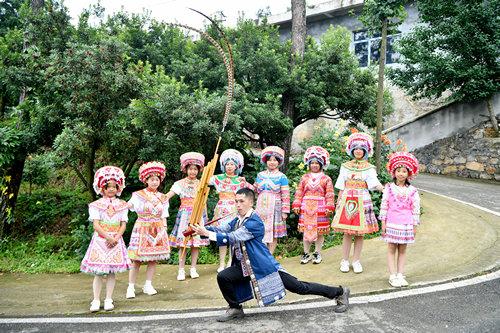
(255, 258)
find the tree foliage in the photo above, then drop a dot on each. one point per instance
(456, 49)
(126, 88)
(381, 16)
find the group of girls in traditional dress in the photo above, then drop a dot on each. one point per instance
(314, 203)
(354, 215)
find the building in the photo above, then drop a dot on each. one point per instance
(345, 13)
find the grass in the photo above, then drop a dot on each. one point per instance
(62, 254)
(41, 255)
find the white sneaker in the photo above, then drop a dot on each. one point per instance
(402, 280)
(316, 258)
(181, 276)
(306, 257)
(220, 269)
(130, 292)
(344, 266)
(95, 305)
(149, 290)
(193, 273)
(356, 267)
(394, 281)
(108, 304)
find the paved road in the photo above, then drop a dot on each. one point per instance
(484, 194)
(467, 309)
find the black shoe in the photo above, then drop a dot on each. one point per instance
(231, 314)
(342, 301)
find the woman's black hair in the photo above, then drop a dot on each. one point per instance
(107, 184)
(196, 165)
(314, 159)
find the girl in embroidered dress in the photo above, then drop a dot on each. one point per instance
(354, 215)
(149, 239)
(399, 213)
(226, 184)
(191, 163)
(314, 200)
(273, 200)
(107, 253)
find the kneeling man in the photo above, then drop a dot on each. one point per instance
(254, 271)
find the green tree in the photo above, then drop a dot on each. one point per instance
(9, 15)
(36, 28)
(330, 83)
(326, 83)
(295, 60)
(170, 118)
(38, 169)
(381, 16)
(455, 49)
(86, 86)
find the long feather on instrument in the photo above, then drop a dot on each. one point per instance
(202, 193)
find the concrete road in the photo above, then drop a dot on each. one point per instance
(482, 193)
(473, 308)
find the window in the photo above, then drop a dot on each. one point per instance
(367, 48)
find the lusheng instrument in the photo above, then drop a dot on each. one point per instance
(225, 51)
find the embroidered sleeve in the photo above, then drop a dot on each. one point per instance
(384, 204)
(134, 202)
(124, 214)
(371, 179)
(329, 194)
(416, 208)
(285, 195)
(239, 235)
(176, 188)
(256, 185)
(211, 182)
(164, 213)
(299, 193)
(247, 185)
(340, 183)
(94, 213)
(226, 227)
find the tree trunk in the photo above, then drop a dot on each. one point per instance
(493, 117)
(128, 167)
(296, 54)
(380, 95)
(8, 197)
(15, 171)
(298, 29)
(287, 109)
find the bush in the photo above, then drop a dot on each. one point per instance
(49, 211)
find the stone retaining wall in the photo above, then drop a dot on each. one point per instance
(473, 154)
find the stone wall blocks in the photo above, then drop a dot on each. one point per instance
(475, 166)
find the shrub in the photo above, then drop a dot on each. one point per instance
(49, 211)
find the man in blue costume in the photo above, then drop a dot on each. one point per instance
(254, 271)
